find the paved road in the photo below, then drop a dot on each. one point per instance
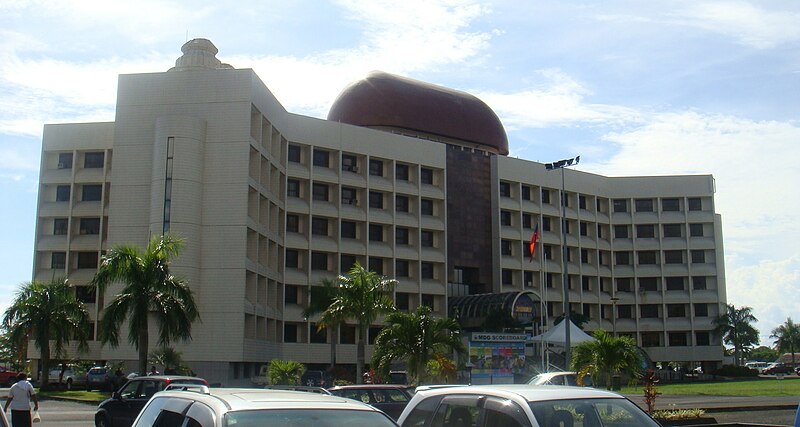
(57, 413)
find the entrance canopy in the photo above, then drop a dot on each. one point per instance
(557, 335)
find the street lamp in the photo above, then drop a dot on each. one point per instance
(563, 164)
(614, 301)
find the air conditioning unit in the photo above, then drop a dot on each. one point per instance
(354, 169)
(62, 165)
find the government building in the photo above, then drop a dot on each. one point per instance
(408, 178)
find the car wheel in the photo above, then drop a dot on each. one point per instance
(101, 420)
(69, 384)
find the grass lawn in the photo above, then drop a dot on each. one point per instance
(743, 387)
(77, 395)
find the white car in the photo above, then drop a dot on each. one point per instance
(199, 406)
(560, 378)
(521, 405)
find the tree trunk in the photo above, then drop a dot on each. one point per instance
(361, 348)
(44, 378)
(143, 348)
(334, 332)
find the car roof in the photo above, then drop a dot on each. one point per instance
(235, 399)
(369, 386)
(530, 393)
(166, 377)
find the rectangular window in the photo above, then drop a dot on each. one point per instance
(582, 202)
(320, 192)
(644, 205)
(673, 257)
(65, 160)
(702, 338)
(622, 258)
(677, 339)
(426, 176)
(376, 265)
(319, 261)
(60, 226)
(321, 158)
(290, 294)
(289, 332)
(584, 228)
(586, 283)
(526, 192)
(319, 226)
(316, 336)
(292, 188)
(651, 339)
(375, 200)
(91, 192)
(348, 230)
(427, 270)
(648, 311)
(620, 231)
(62, 193)
(545, 196)
(620, 205)
(699, 283)
(526, 220)
(347, 335)
(426, 300)
(349, 163)
(375, 232)
(673, 230)
(649, 284)
(698, 256)
(528, 278)
(695, 204)
(86, 294)
(670, 205)
(585, 256)
(90, 226)
(623, 284)
(426, 206)
(548, 251)
(546, 223)
(505, 218)
(548, 280)
(696, 230)
(676, 310)
(507, 276)
(700, 310)
(292, 223)
(375, 167)
(401, 236)
(624, 311)
(644, 231)
(92, 160)
(505, 247)
(401, 203)
(401, 268)
(294, 153)
(505, 189)
(646, 257)
(87, 259)
(401, 301)
(349, 196)
(58, 260)
(426, 238)
(401, 172)
(675, 283)
(292, 258)
(346, 262)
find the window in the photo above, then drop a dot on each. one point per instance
(585, 256)
(620, 205)
(401, 172)
(526, 192)
(349, 163)
(426, 176)
(375, 167)
(698, 256)
(505, 189)
(65, 160)
(702, 338)
(427, 270)
(701, 310)
(677, 339)
(294, 153)
(401, 269)
(507, 276)
(292, 258)
(289, 332)
(90, 226)
(670, 205)
(86, 294)
(548, 279)
(648, 310)
(545, 196)
(564, 198)
(644, 205)
(696, 230)
(528, 278)
(699, 283)
(674, 283)
(620, 231)
(321, 158)
(87, 259)
(348, 230)
(651, 339)
(548, 251)
(375, 232)
(649, 284)
(426, 238)
(290, 294)
(292, 223)
(401, 236)
(347, 335)
(673, 257)
(58, 260)
(623, 284)
(91, 192)
(526, 220)
(320, 192)
(645, 231)
(647, 257)
(375, 265)
(401, 203)
(505, 247)
(93, 160)
(582, 202)
(60, 226)
(319, 261)
(584, 228)
(505, 218)
(566, 226)
(375, 200)
(624, 311)
(62, 193)
(349, 196)
(346, 262)
(586, 283)
(292, 188)
(673, 230)
(676, 310)
(695, 204)
(426, 206)
(319, 226)
(622, 258)
(427, 300)
(316, 336)
(546, 223)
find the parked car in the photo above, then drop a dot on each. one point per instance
(560, 378)
(73, 377)
(125, 404)
(228, 407)
(99, 378)
(8, 378)
(309, 389)
(389, 398)
(758, 366)
(521, 405)
(778, 368)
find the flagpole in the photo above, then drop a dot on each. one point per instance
(543, 299)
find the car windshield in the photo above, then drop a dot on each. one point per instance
(307, 417)
(609, 412)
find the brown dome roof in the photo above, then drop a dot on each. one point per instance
(386, 100)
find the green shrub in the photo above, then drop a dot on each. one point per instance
(735, 371)
(678, 414)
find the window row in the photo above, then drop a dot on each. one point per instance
(85, 226)
(601, 231)
(89, 192)
(376, 199)
(623, 284)
(321, 261)
(91, 160)
(322, 226)
(677, 339)
(80, 260)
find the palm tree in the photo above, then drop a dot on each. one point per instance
(415, 338)
(606, 356)
(170, 359)
(47, 312)
(285, 372)
(362, 295)
(736, 329)
(321, 297)
(787, 337)
(149, 288)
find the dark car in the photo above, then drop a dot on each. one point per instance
(126, 403)
(777, 368)
(389, 398)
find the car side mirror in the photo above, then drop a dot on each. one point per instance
(116, 395)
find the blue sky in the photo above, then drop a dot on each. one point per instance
(634, 87)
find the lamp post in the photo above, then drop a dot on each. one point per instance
(563, 164)
(614, 301)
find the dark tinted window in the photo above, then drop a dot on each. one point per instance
(92, 193)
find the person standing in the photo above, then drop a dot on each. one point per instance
(19, 399)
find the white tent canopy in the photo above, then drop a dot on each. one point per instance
(557, 335)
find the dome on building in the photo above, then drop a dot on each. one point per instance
(199, 54)
(387, 100)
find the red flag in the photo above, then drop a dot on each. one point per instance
(534, 239)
